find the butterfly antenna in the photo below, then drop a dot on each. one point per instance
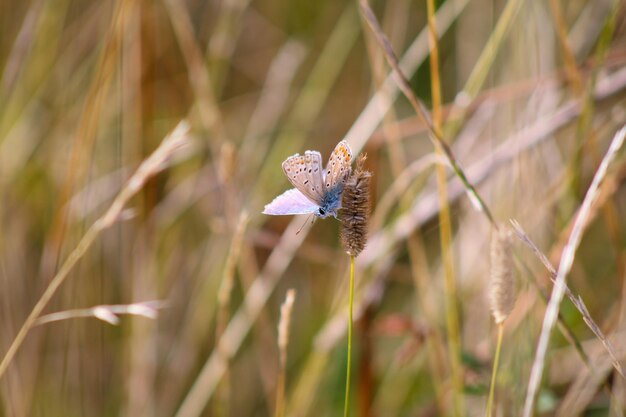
(304, 224)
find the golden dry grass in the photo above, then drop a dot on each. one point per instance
(526, 95)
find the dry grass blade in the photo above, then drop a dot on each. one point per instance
(400, 185)
(585, 384)
(228, 277)
(224, 295)
(567, 259)
(416, 53)
(107, 313)
(523, 140)
(239, 326)
(283, 341)
(445, 226)
(199, 77)
(149, 167)
(421, 110)
(576, 300)
(88, 90)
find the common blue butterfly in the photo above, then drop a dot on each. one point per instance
(318, 190)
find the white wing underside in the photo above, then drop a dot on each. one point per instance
(290, 202)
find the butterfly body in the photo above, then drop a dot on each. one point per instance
(317, 189)
(330, 203)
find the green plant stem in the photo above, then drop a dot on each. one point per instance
(346, 407)
(495, 369)
(445, 225)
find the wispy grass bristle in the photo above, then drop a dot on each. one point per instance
(502, 280)
(355, 212)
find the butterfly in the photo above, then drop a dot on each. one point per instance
(318, 190)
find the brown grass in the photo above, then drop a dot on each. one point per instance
(520, 100)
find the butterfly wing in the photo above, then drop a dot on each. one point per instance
(290, 202)
(339, 165)
(305, 173)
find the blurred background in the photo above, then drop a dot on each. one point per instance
(531, 94)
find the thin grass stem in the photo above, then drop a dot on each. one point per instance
(496, 361)
(283, 341)
(567, 260)
(239, 326)
(404, 176)
(224, 304)
(445, 226)
(435, 136)
(153, 164)
(576, 300)
(346, 408)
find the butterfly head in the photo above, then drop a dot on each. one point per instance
(331, 202)
(322, 213)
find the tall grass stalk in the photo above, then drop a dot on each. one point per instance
(583, 125)
(86, 133)
(494, 372)
(224, 303)
(149, 167)
(576, 300)
(354, 217)
(360, 131)
(421, 111)
(86, 91)
(569, 59)
(283, 341)
(445, 227)
(346, 407)
(501, 293)
(314, 94)
(215, 366)
(567, 260)
(485, 62)
(540, 132)
(401, 170)
(371, 116)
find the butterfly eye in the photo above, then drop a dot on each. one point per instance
(322, 212)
